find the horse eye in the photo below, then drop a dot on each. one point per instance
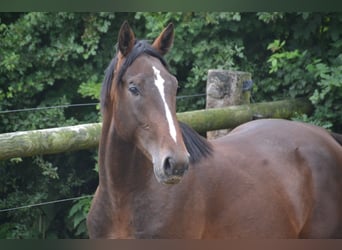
(134, 90)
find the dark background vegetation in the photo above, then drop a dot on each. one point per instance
(51, 59)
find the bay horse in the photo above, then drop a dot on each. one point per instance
(158, 178)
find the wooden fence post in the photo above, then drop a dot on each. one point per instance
(226, 88)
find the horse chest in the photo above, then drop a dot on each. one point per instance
(137, 217)
(119, 220)
(147, 216)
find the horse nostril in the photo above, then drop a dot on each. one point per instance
(171, 167)
(168, 166)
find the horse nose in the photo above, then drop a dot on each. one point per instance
(174, 167)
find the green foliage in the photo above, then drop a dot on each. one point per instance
(49, 59)
(270, 17)
(90, 89)
(309, 70)
(47, 168)
(44, 59)
(327, 95)
(77, 216)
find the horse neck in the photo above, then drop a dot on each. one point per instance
(122, 166)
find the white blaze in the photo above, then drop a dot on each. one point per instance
(159, 82)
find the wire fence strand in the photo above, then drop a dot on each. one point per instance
(77, 105)
(45, 203)
(48, 107)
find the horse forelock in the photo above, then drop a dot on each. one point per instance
(116, 72)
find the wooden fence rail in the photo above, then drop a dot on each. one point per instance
(65, 139)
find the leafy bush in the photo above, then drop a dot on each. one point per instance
(77, 216)
(44, 59)
(309, 68)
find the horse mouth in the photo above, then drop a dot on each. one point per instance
(172, 180)
(167, 179)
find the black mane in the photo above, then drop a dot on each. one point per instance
(197, 146)
(140, 47)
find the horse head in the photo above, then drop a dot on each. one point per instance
(143, 97)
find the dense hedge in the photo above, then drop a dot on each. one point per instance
(49, 59)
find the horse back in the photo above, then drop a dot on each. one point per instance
(288, 169)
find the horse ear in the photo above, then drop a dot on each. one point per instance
(164, 41)
(126, 39)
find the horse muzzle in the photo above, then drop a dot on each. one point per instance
(171, 169)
